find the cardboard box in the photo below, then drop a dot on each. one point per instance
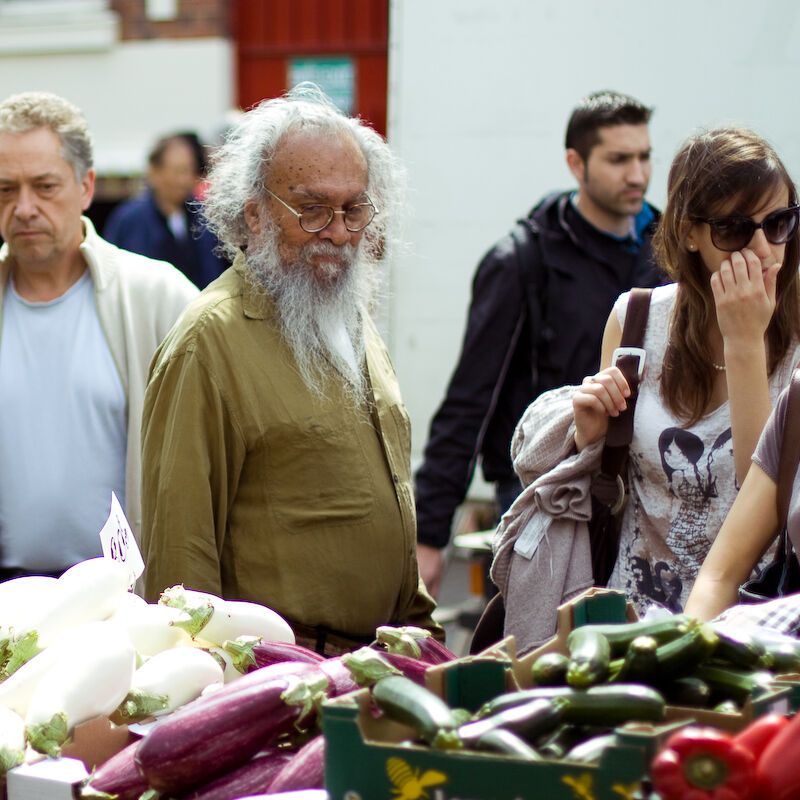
(367, 758)
(91, 744)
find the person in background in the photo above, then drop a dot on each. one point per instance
(80, 322)
(276, 447)
(720, 344)
(164, 222)
(540, 299)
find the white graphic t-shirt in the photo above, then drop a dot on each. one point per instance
(682, 481)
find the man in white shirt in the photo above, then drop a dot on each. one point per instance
(79, 322)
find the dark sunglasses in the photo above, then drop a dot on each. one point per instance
(735, 232)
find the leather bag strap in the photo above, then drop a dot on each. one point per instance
(620, 428)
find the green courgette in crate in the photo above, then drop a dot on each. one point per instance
(687, 691)
(550, 669)
(640, 662)
(614, 704)
(739, 647)
(403, 700)
(682, 655)
(564, 738)
(735, 684)
(529, 721)
(589, 657)
(621, 635)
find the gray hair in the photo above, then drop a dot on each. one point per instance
(239, 167)
(25, 112)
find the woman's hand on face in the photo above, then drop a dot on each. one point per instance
(599, 397)
(744, 294)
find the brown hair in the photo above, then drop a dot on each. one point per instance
(710, 171)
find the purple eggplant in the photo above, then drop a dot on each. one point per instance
(413, 668)
(414, 642)
(119, 776)
(306, 770)
(220, 733)
(251, 652)
(254, 777)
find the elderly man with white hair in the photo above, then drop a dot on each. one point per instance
(276, 445)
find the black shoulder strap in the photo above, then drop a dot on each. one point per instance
(606, 485)
(529, 269)
(533, 279)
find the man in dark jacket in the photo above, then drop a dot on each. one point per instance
(540, 300)
(164, 222)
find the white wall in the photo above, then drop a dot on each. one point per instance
(134, 92)
(480, 92)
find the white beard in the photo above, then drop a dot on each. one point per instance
(321, 313)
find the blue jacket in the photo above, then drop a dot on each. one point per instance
(139, 226)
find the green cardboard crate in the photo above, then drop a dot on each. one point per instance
(366, 759)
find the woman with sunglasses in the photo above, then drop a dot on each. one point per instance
(720, 345)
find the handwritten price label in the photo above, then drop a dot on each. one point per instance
(118, 541)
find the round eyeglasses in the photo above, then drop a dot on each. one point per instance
(315, 218)
(735, 232)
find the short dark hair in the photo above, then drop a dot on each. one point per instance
(602, 110)
(190, 138)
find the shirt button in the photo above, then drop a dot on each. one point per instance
(395, 477)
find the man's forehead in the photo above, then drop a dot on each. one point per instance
(308, 158)
(624, 137)
(37, 150)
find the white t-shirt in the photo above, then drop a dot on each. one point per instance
(682, 481)
(63, 430)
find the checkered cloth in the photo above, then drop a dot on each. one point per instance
(781, 614)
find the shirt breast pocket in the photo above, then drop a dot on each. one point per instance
(317, 474)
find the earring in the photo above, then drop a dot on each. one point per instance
(692, 247)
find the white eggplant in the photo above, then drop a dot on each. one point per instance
(12, 740)
(230, 672)
(17, 690)
(151, 627)
(217, 620)
(90, 679)
(168, 680)
(21, 596)
(90, 590)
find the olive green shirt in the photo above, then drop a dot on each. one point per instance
(255, 489)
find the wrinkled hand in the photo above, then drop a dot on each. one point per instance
(599, 397)
(744, 295)
(431, 566)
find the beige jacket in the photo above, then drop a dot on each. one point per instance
(138, 301)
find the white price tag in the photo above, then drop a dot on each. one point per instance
(118, 541)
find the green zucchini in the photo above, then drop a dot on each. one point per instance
(738, 647)
(680, 656)
(687, 691)
(550, 669)
(529, 721)
(499, 740)
(729, 683)
(782, 658)
(590, 751)
(614, 704)
(727, 707)
(511, 699)
(589, 657)
(620, 636)
(403, 700)
(640, 662)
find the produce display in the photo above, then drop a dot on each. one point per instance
(232, 706)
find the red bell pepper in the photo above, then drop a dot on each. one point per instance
(759, 733)
(778, 768)
(703, 764)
